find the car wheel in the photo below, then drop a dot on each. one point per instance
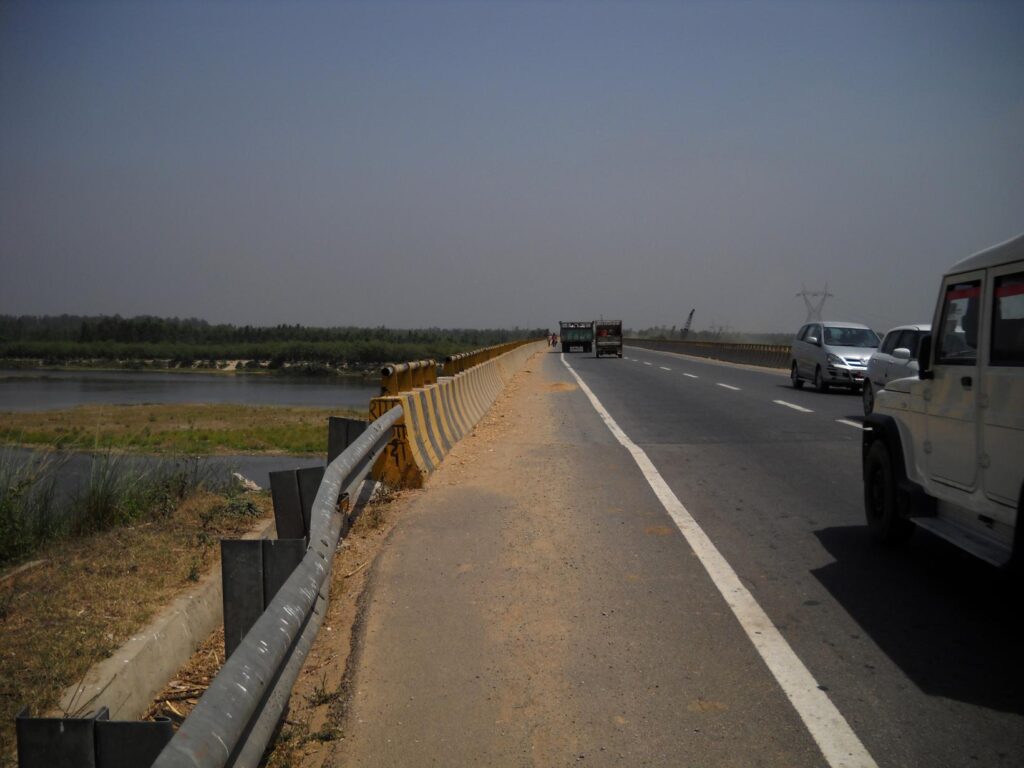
(885, 523)
(794, 377)
(868, 396)
(819, 383)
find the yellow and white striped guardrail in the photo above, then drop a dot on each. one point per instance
(440, 411)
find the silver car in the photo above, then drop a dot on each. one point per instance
(831, 353)
(895, 359)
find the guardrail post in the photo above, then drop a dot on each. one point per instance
(252, 570)
(130, 743)
(341, 433)
(293, 492)
(93, 741)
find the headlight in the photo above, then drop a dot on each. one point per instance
(834, 359)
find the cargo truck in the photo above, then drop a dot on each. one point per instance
(576, 336)
(608, 338)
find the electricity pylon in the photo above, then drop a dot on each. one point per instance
(814, 301)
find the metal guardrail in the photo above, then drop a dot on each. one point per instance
(235, 719)
(768, 355)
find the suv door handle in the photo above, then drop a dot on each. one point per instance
(966, 381)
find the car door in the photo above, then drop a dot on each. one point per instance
(952, 442)
(1002, 391)
(808, 349)
(882, 359)
(898, 368)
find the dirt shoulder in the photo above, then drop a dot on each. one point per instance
(320, 728)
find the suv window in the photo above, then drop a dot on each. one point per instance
(802, 332)
(890, 341)
(908, 340)
(850, 337)
(1008, 321)
(958, 330)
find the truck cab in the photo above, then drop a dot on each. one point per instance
(944, 450)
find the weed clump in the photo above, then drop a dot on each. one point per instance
(38, 505)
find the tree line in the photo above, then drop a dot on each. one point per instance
(183, 341)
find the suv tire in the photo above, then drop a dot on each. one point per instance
(819, 383)
(794, 377)
(868, 396)
(881, 498)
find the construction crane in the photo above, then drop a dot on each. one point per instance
(686, 328)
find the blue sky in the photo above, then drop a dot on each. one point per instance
(499, 164)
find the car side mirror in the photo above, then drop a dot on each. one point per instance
(901, 353)
(924, 358)
(812, 340)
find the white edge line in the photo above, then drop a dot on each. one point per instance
(727, 386)
(829, 729)
(849, 423)
(793, 406)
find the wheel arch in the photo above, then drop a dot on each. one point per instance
(881, 427)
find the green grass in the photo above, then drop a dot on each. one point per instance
(174, 429)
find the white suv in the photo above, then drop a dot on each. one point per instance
(944, 450)
(895, 359)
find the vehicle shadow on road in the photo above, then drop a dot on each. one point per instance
(950, 622)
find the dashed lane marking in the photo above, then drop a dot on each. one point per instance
(829, 729)
(646, 363)
(664, 368)
(691, 375)
(793, 406)
(727, 386)
(849, 423)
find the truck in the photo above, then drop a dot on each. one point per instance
(576, 336)
(608, 338)
(942, 449)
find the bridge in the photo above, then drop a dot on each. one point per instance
(659, 560)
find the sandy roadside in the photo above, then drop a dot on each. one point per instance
(498, 458)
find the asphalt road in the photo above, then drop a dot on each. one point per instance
(920, 649)
(538, 605)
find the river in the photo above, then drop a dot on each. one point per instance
(39, 390)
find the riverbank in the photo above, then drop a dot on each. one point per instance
(180, 429)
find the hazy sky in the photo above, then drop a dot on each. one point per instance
(494, 164)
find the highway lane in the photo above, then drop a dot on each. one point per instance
(919, 649)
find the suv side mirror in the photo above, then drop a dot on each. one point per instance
(901, 353)
(924, 358)
(812, 340)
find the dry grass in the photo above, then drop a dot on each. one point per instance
(92, 593)
(178, 429)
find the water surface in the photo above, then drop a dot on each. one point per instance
(38, 390)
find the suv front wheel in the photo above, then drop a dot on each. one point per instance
(819, 381)
(868, 395)
(881, 501)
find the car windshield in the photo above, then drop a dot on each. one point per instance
(850, 337)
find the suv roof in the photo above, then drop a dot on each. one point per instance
(839, 324)
(911, 327)
(1011, 250)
